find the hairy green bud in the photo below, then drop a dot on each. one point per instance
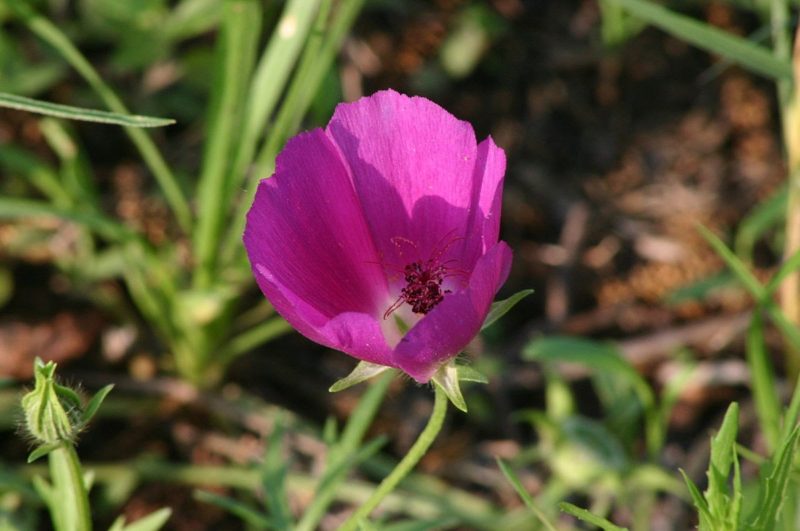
(53, 413)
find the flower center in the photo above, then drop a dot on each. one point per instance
(423, 288)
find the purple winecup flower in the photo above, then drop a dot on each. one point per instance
(378, 236)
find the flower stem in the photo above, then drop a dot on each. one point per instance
(69, 504)
(402, 469)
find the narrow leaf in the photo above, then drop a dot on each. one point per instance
(69, 112)
(586, 516)
(763, 381)
(95, 403)
(500, 308)
(512, 478)
(242, 511)
(722, 454)
(789, 266)
(751, 56)
(42, 451)
(273, 478)
(363, 371)
(734, 263)
(699, 501)
(12, 207)
(774, 483)
(152, 522)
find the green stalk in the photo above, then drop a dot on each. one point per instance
(271, 76)
(152, 157)
(69, 500)
(342, 453)
(236, 56)
(790, 119)
(408, 462)
(317, 59)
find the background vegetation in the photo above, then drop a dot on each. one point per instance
(652, 149)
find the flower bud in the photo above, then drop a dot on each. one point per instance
(53, 412)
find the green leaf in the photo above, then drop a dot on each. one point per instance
(239, 509)
(773, 484)
(53, 35)
(596, 355)
(12, 208)
(701, 289)
(42, 451)
(442, 522)
(763, 381)
(757, 291)
(95, 403)
(512, 478)
(21, 103)
(606, 358)
(751, 56)
(792, 412)
(236, 50)
(251, 338)
(500, 308)
(152, 522)
(789, 266)
(273, 478)
(764, 216)
(269, 79)
(586, 516)
(363, 371)
(723, 446)
(738, 267)
(446, 378)
(699, 501)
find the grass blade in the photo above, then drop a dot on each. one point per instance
(763, 381)
(751, 56)
(240, 510)
(11, 208)
(51, 34)
(21, 103)
(236, 47)
(586, 516)
(274, 473)
(318, 56)
(270, 78)
(512, 478)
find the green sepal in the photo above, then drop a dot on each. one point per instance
(449, 377)
(446, 378)
(500, 308)
(363, 371)
(467, 373)
(42, 451)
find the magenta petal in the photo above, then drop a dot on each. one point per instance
(412, 165)
(450, 326)
(483, 228)
(357, 334)
(309, 246)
